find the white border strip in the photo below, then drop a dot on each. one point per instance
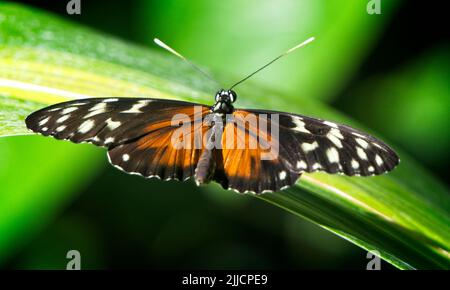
(41, 89)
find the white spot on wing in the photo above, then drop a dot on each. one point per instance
(333, 155)
(266, 191)
(334, 140)
(69, 110)
(110, 100)
(301, 164)
(125, 157)
(78, 104)
(44, 129)
(63, 118)
(378, 160)
(44, 121)
(99, 106)
(299, 125)
(136, 108)
(316, 166)
(361, 153)
(109, 140)
(113, 124)
(93, 113)
(371, 169)
(95, 110)
(331, 124)
(363, 143)
(61, 128)
(358, 135)
(307, 147)
(334, 135)
(282, 175)
(86, 126)
(355, 164)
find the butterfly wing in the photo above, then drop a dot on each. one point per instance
(244, 165)
(304, 144)
(137, 132)
(157, 155)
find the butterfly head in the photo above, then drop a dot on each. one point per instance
(224, 100)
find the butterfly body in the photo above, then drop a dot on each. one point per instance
(206, 166)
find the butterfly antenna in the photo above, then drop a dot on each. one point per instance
(173, 51)
(274, 60)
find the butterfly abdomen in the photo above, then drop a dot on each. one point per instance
(205, 167)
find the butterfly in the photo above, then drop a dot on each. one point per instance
(171, 139)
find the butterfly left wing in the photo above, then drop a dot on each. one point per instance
(137, 132)
(106, 121)
(157, 155)
(304, 144)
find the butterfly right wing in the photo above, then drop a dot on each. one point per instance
(302, 144)
(249, 161)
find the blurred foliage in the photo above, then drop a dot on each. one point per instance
(38, 178)
(406, 219)
(415, 102)
(236, 37)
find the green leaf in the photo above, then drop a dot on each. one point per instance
(404, 215)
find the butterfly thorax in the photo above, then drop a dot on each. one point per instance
(224, 102)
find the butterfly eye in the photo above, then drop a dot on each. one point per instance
(233, 96)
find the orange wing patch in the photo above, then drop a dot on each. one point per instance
(154, 154)
(250, 158)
